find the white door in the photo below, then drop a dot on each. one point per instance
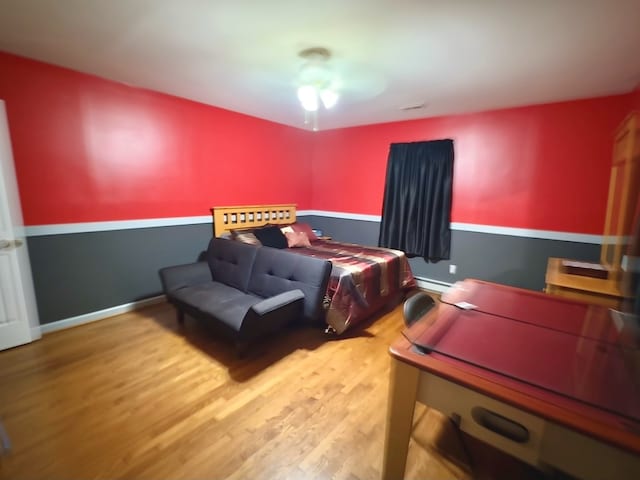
(18, 313)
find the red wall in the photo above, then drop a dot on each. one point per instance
(540, 167)
(88, 149)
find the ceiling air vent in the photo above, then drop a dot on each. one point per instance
(417, 106)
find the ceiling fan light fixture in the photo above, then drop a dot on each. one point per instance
(317, 83)
(308, 96)
(329, 98)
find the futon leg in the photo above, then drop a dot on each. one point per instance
(242, 348)
(180, 316)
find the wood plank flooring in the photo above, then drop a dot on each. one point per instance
(139, 397)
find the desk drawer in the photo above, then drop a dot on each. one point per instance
(585, 457)
(506, 428)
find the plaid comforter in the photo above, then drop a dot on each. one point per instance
(363, 279)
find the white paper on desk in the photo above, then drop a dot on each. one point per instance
(466, 305)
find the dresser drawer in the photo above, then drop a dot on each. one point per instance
(496, 423)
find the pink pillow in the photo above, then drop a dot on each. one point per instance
(305, 228)
(297, 239)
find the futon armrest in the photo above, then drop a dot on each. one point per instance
(187, 275)
(278, 301)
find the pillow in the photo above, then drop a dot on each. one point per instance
(235, 231)
(306, 228)
(297, 239)
(247, 237)
(271, 237)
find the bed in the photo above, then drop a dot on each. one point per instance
(363, 279)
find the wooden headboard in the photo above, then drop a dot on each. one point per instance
(250, 216)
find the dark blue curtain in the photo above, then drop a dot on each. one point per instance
(416, 212)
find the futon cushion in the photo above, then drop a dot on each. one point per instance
(231, 262)
(230, 311)
(277, 271)
(204, 297)
(271, 237)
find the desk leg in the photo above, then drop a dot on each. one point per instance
(403, 387)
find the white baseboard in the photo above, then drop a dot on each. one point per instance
(99, 315)
(432, 284)
(36, 333)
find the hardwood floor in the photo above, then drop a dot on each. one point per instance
(137, 396)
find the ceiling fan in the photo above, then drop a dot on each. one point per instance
(318, 84)
(323, 80)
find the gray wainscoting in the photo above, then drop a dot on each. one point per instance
(511, 260)
(80, 273)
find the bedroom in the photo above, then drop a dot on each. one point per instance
(123, 176)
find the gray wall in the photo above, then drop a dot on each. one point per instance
(76, 274)
(517, 261)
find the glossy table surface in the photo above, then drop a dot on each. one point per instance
(570, 362)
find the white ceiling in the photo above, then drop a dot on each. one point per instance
(453, 55)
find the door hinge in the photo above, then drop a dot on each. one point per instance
(7, 244)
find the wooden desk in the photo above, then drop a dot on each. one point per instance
(600, 291)
(563, 433)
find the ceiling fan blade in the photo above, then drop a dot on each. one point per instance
(356, 82)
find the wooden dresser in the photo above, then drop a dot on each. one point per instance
(624, 188)
(599, 291)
